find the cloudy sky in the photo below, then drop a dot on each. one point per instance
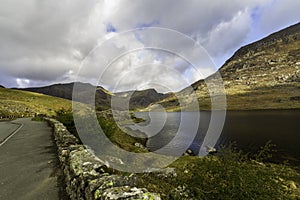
(44, 42)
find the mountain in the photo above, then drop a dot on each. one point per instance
(16, 103)
(261, 75)
(138, 99)
(65, 91)
(2, 86)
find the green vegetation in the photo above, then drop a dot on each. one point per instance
(66, 117)
(118, 137)
(15, 103)
(231, 175)
(38, 118)
(110, 128)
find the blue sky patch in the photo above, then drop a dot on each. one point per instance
(110, 28)
(147, 25)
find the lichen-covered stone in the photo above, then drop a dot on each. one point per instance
(162, 173)
(125, 192)
(180, 193)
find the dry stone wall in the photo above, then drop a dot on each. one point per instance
(86, 176)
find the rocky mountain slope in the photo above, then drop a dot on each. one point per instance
(140, 99)
(261, 75)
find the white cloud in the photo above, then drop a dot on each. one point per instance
(226, 35)
(45, 41)
(22, 83)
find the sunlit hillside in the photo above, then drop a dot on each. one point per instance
(15, 103)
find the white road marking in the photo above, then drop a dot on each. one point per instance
(12, 134)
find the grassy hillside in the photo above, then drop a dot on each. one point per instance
(16, 103)
(262, 75)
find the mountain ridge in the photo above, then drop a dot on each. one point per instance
(291, 30)
(137, 99)
(262, 75)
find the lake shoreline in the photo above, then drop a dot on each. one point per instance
(227, 110)
(250, 130)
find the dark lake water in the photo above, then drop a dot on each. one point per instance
(249, 129)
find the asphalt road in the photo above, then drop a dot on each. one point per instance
(28, 164)
(6, 128)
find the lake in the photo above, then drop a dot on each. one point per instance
(249, 129)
